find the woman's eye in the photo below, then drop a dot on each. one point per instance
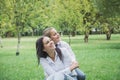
(47, 42)
(55, 34)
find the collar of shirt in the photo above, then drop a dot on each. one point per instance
(58, 44)
(50, 60)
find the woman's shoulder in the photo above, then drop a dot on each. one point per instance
(63, 42)
(42, 59)
(45, 60)
(64, 51)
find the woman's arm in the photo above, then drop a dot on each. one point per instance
(68, 60)
(50, 71)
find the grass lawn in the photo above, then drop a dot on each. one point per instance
(98, 58)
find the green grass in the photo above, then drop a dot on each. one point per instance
(98, 58)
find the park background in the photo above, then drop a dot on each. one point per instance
(91, 27)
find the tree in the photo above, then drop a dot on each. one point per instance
(89, 17)
(109, 10)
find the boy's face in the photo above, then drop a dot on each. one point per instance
(54, 35)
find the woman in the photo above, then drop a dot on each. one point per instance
(57, 63)
(54, 35)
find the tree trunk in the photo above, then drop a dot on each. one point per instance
(18, 45)
(33, 30)
(108, 35)
(1, 42)
(86, 37)
(73, 33)
(69, 38)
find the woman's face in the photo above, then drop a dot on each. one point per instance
(48, 44)
(54, 35)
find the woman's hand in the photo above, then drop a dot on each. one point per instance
(74, 65)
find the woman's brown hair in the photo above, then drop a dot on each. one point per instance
(42, 54)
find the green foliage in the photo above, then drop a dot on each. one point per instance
(32, 16)
(108, 8)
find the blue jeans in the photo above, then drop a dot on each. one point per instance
(69, 77)
(60, 76)
(80, 74)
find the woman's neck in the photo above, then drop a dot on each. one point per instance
(51, 54)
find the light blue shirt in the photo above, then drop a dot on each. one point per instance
(63, 44)
(57, 66)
